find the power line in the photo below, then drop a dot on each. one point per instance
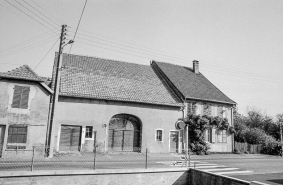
(27, 41)
(24, 49)
(46, 53)
(171, 56)
(23, 17)
(46, 12)
(42, 13)
(230, 74)
(35, 14)
(30, 16)
(78, 26)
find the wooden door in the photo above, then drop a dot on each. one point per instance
(174, 141)
(70, 138)
(2, 133)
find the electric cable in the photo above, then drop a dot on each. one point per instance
(30, 16)
(36, 15)
(78, 26)
(46, 54)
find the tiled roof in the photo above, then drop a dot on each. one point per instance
(191, 85)
(23, 73)
(91, 77)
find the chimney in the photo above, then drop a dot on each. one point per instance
(195, 67)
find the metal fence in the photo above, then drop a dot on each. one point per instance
(245, 147)
(17, 159)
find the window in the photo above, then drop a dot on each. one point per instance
(224, 114)
(210, 135)
(88, 132)
(17, 134)
(20, 97)
(159, 135)
(221, 136)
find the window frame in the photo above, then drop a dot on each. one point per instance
(91, 131)
(11, 134)
(220, 136)
(159, 139)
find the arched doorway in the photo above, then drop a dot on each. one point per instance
(124, 133)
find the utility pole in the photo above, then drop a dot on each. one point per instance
(54, 97)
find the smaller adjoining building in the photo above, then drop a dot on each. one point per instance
(24, 110)
(200, 97)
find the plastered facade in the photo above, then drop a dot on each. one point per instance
(35, 117)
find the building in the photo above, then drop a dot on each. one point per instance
(117, 106)
(200, 97)
(24, 109)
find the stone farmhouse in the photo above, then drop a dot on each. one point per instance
(111, 105)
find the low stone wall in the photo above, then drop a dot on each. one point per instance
(98, 177)
(198, 177)
(179, 176)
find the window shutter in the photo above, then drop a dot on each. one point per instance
(17, 97)
(224, 137)
(24, 97)
(213, 135)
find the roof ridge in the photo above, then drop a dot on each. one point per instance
(100, 58)
(32, 71)
(172, 64)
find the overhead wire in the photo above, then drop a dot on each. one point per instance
(143, 53)
(27, 41)
(27, 48)
(47, 12)
(41, 13)
(23, 17)
(46, 54)
(36, 15)
(181, 60)
(78, 26)
(30, 17)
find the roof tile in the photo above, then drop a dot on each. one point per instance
(24, 73)
(113, 80)
(191, 85)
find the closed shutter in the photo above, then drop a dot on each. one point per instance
(2, 132)
(20, 97)
(17, 97)
(24, 98)
(17, 134)
(224, 136)
(65, 137)
(213, 135)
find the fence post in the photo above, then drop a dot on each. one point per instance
(146, 158)
(94, 151)
(32, 160)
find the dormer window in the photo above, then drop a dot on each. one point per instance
(20, 97)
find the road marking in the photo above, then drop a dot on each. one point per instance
(219, 169)
(232, 172)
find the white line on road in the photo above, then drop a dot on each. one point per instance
(219, 169)
(232, 172)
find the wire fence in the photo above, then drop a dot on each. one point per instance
(38, 158)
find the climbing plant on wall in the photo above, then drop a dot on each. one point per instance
(197, 126)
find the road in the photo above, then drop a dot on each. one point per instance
(268, 169)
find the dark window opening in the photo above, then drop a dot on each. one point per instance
(17, 134)
(158, 135)
(88, 132)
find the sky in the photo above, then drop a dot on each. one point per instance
(238, 43)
